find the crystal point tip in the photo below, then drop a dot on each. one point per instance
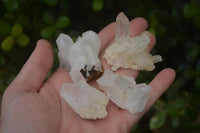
(122, 17)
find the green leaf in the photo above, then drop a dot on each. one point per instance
(10, 5)
(7, 43)
(152, 30)
(22, 20)
(51, 2)
(174, 108)
(153, 20)
(97, 5)
(48, 32)
(62, 22)
(22, 40)
(16, 30)
(190, 11)
(157, 120)
(4, 28)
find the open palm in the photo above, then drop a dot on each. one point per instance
(31, 105)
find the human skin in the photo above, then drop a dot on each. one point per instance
(32, 105)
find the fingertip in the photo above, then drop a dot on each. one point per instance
(142, 21)
(44, 43)
(137, 26)
(44, 46)
(161, 82)
(170, 73)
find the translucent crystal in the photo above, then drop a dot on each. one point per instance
(64, 43)
(129, 52)
(124, 91)
(81, 55)
(85, 100)
(122, 28)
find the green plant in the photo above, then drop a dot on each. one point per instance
(16, 36)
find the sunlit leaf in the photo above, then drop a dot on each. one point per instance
(16, 30)
(7, 43)
(22, 40)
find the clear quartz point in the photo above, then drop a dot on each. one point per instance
(122, 28)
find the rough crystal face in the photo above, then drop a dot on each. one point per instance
(85, 100)
(124, 91)
(81, 55)
(129, 52)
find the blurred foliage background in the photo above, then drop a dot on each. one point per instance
(175, 23)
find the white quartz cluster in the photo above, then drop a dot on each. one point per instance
(83, 54)
(85, 100)
(129, 52)
(124, 91)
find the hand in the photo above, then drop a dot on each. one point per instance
(32, 105)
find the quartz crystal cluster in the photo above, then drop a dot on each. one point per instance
(82, 62)
(81, 55)
(85, 100)
(129, 52)
(124, 91)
